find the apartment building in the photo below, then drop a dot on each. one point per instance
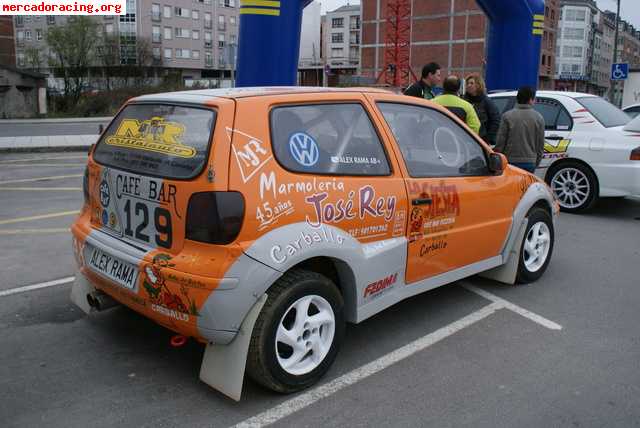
(574, 49)
(342, 37)
(599, 65)
(310, 36)
(196, 38)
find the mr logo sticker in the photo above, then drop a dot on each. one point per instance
(250, 153)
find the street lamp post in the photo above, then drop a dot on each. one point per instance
(614, 83)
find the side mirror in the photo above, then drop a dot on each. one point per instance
(497, 163)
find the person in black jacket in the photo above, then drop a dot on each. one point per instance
(423, 88)
(475, 93)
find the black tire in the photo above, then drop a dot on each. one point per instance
(526, 275)
(566, 204)
(262, 362)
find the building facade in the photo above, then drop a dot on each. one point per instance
(574, 48)
(342, 37)
(449, 32)
(7, 42)
(548, 49)
(195, 39)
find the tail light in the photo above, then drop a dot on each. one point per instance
(215, 217)
(85, 186)
(635, 154)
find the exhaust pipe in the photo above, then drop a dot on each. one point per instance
(101, 301)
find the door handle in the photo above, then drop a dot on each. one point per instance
(421, 201)
(554, 137)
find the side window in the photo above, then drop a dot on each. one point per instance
(432, 144)
(336, 139)
(555, 116)
(502, 103)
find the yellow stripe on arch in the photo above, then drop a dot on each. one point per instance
(264, 3)
(538, 31)
(538, 24)
(538, 17)
(257, 11)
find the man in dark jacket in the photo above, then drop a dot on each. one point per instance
(521, 134)
(423, 88)
(476, 94)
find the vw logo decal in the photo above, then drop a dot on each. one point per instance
(105, 195)
(304, 149)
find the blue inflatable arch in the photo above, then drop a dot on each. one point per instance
(269, 42)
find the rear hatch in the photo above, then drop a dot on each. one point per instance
(148, 163)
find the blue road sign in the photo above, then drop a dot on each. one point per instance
(619, 71)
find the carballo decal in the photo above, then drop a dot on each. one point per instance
(153, 135)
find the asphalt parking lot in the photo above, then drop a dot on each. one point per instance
(564, 351)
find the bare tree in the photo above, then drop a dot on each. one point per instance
(33, 58)
(73, 48)
(109, 56)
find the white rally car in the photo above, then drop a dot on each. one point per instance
(588, 152)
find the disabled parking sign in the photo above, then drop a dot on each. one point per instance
(619, 71)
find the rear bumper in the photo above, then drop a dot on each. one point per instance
(619, 179)
(208, 309)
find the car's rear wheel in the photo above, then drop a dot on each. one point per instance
(536, 247)
(574, 185)
(298, 332)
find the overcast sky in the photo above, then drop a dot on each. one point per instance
(629, 9)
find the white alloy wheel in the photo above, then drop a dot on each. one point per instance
(571, 186)
(304, 335)
(536, 246)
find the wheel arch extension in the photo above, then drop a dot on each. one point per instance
(340, 273)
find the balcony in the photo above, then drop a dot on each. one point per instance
(354, 27)
(222, 26)
(155, 38)
(208, 62)
(208, 24)
(354, 41)
(208, 44)
(156, 16)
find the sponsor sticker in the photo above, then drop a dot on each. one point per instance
(377, 288)
(304, 149)
(153, 135)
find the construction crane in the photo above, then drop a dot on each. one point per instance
(397, 70)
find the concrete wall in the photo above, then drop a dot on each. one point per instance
(18, 95)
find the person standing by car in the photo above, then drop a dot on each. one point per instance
(485, 108)
(423, 88)
(521, 133)
(456, 105)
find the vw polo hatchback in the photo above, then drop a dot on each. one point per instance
(259, 221)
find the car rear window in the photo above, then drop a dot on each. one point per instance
(606, 113)
(156, 139)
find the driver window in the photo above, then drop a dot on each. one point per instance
(432, 144)
(336, 139)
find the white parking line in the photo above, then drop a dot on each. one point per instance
(318, 393)
(295, 404)
(512, 307)
(17, 290)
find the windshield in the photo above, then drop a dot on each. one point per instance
(606, 113)
(159, 140)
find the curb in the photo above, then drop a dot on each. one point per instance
(58, 120)
(45, 149)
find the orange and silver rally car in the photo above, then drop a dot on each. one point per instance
(259, 221)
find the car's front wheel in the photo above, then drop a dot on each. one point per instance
(298, 332)
(536, 247)
(574, 185)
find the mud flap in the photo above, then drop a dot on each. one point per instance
(223, 365)
(81, 287)
(507, 272)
